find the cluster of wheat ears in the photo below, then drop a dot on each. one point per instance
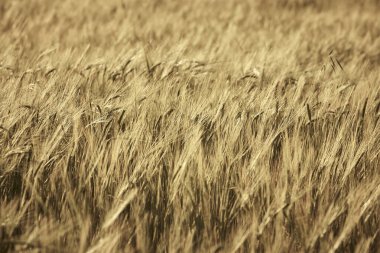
(189, 126)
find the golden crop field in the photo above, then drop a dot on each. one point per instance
(189, 126)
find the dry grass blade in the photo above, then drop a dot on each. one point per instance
(114, 213)
(308, 112)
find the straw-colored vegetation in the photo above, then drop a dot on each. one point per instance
(189, 126)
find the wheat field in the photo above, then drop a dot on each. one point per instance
(189, 126)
